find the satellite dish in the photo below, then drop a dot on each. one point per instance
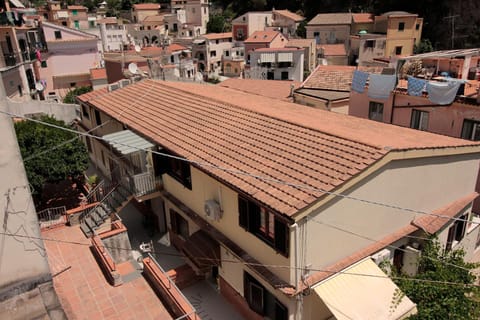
(39, 86)
(133, 68)
(137, 48)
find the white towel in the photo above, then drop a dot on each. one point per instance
(381, 85)
(443, 92)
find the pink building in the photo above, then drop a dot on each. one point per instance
(71, 54)
(264, 39)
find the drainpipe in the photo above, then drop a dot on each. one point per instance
(393, 107)
(298, 303)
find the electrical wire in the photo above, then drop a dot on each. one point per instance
(244, 173)
(252, 264)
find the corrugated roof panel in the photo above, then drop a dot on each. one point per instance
(127, 142)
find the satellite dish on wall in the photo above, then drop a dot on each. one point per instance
(39, 86)
(133, 68)
(137, 48)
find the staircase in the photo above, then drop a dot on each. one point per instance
(100, 217)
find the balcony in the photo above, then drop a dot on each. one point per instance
(144, 184)
(10, 59)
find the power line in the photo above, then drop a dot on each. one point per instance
(244, 173)
(254, 264)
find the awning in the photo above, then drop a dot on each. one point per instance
(267, 57)
(363, 291)
(62, 14)
(127, 142)
(17, 4)
(285, 57)
(202, 251)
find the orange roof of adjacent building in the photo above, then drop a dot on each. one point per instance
(363, 17)
(337, 78)
(289, 14)
(218, 128)
(146, 6)
(215, 36)
(155, 18)
(276, 89)
(301, 43)
(76, 8)
(99, 73)
(262, 37)
(333, 49)
(107, 20)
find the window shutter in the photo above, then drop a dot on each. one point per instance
(243, 212)
(173, 220)
(281, 237)
(281, 312)
(254, 218)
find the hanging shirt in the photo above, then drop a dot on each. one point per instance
(416, 86)
(381, 85)
(443, 92)
(359, 81)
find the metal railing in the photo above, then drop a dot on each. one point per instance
(144, 183)
(52, 216)
(96, 193)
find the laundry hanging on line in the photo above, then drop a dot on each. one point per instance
(359, 81)
(416, 86)
(443, 93)
(380, 86)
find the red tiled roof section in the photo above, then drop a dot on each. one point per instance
(215, 36)
(146, 6)
(262, 37)
(333, 49)
(76, 8)
(433, 223)
(363, 17)
(107, 20)
(337, 78)
(359, 255)
(289, 14)
(100, 73)
(262, 137)
(276, 89)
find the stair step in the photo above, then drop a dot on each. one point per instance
(96, 217)
(86, 230)
(91, 223)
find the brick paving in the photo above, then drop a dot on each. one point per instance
(83, 289)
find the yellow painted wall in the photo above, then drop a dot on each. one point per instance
(314, 308)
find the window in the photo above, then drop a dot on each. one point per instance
(264, 224)
(316, 35)
(74, 12)
(227, 53)
(419, 120)
(92, 24)
(180, 171)
(401, 26)
(456, 232)
(217, 41)
(370, 44)
(43, 64)
(58, 34)
(89, 144)
(284, 75)
(98, 119)
(417, 26)
(85, 112)
(398, 50)
(471, 130)
(179, 224)
(375, 111)
(261, 301)
(213, 53)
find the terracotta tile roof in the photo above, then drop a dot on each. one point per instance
(262, 136)
(262, 37)
(301, 43)
(215, 36)
(330, 78)
(155, 18)
(96, 74)
(107, 20)
(76, 8)
(357, 256)
(175, 47)
(290, 15)
(332, 49)
(275, 89)
(331, 18)
(363, 17)
(432, 224)
(146, 6)
(289, 49)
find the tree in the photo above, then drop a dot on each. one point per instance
(217, 24)
(301, 30)
(424, 46)
(50, 154)
(70, 97)
(442, 300)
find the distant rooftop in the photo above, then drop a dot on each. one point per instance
(331, 18)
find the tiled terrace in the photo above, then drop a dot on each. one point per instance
(83, 289)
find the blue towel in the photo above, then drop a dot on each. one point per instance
(416, 86)
(359, 81)
(381, 85)
(443, 92)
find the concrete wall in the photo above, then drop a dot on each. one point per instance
(61, 111)
(412, 183)
(329, 34)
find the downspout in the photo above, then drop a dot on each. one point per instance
(298, 302)
(393, 107)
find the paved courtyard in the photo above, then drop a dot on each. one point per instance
(83, 289)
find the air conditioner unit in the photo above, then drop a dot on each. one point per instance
(381, 256)
(113, 87)
(124, 83)
(212, 210)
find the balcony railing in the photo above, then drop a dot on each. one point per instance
(10, 59)
(144, 183)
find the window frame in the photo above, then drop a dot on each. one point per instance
(470, 130)
(398, 50)
(401, 26)
(58, 34)
(274, 232)
(179, 224)
(417, 120)
(456, 232)
(375, 115)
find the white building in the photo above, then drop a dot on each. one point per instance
(276, 64)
